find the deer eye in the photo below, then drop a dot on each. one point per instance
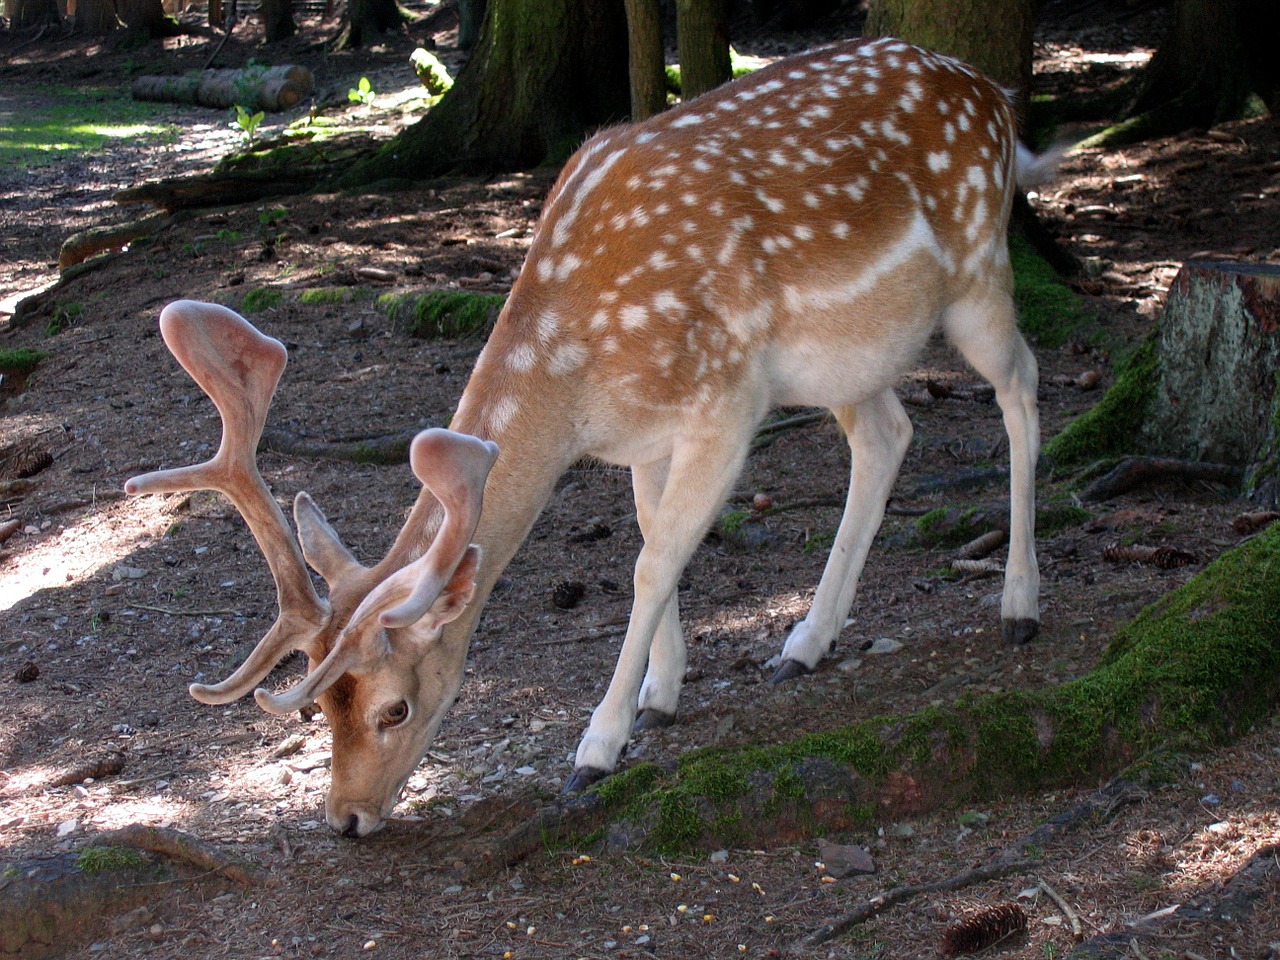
(393, 715)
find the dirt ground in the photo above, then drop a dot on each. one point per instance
(117, 605)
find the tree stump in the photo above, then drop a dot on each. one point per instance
(1203, 388)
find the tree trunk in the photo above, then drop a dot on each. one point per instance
(1217, 63)
(647, 62)
(993, 35)
(33, 13)
(96, 17)
(277, 20)
(702, 32)
(543, 73)
(470, 20)
(146, 19)
(369, 18)
(1203, 387)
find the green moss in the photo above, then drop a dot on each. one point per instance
(1052, 518)
(1111, 426)
(443, 313)
(21, 360)
(953, 526)
(261, 298)
(333, 295)
(1199, 667)
(1049, 311)
(98, 859)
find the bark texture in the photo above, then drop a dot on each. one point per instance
(646, 59)
(273, 89)
(993, 35)
(1203, 388)
(702, 29)
(544, 73)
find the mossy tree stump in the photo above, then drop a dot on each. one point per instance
(1203, 387)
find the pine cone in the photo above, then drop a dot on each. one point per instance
(983, 929)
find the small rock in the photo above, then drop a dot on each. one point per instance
(972, 818)
(849, 665)
(720, 856)
(1088, 380)
(68, 827)
(901, 830)
(761, 502)
(288, 747)
(123, 572)
(526, 771)
(1211, 799)
(841, 860)
(885, 645)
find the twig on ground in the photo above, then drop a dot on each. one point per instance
(981, 546)
(876, 905)
(1077, 932)
(389, 449)
(171, 611)
(95, 769)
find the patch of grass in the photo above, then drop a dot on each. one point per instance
(443, 313)
(98, 859)
(64, 317)
(21, 360)
(333, 295)
(82, 120)
(1049, 311)
(261, 298)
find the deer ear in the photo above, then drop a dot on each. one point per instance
(458, 591)
(321, 546)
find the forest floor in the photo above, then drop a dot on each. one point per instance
(109, 608)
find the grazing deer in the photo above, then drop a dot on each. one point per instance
(791, 238)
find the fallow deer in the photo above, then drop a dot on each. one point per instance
(792, 238)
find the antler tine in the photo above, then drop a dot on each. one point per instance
(454, 468)
(239, 367)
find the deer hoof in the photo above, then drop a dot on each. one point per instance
(1019, 631)
(583, 778)
(650, 719)
(789, 670)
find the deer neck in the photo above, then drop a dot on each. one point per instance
(529, 412)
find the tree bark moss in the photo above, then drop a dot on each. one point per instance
(1198, 668)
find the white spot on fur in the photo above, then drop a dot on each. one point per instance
(938, 161)
(522, 358)
(566, 359)
(634, 316)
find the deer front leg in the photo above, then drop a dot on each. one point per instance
(701, 473)
(879, 432)
(660, 692)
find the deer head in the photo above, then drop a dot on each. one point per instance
(366, 643)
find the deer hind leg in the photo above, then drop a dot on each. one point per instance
(879, 433)
(984, 329)
(699, 477)
(668, 657)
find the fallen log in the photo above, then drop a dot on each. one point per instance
(254, 88)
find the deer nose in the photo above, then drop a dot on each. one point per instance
(352, 828)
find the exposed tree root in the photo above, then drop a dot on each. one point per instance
(1133, 472)
(177, 845)
(1233, 900)
(1013, 859)
(389, 449)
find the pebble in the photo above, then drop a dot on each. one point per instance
(885, 645)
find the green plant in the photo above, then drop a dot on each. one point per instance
(64, 316)
(362, 93)
(273, 216)
(248, 122)
(226, 235)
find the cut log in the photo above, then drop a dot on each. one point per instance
(81, 246)
(1203, 387)
(254, 88)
